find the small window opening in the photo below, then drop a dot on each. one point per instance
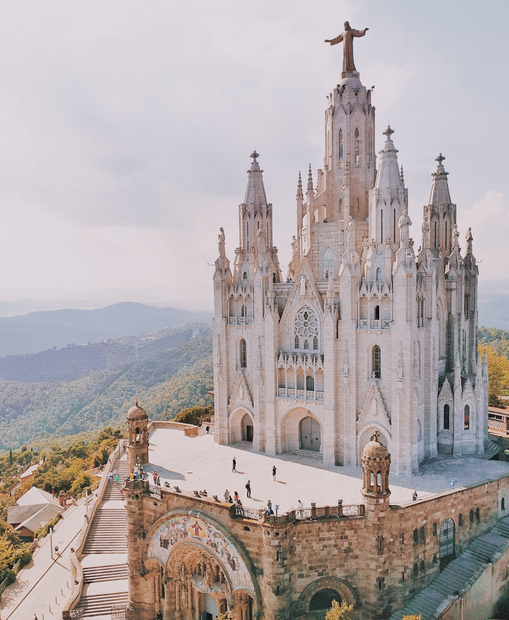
(446, 418)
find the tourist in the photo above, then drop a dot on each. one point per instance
(276, 508)
(158, 481)
(117, 478)
(414, 496)
(207, 428)
(236, 497)
(159, 616)
(110, 476)
(154, 476)
(274, 473)
(234, 464)
(300, 507)
(114, 473)
(248, 488)
(227, 496)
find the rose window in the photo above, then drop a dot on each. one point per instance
(306, 329)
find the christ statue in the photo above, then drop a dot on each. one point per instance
(347, 38)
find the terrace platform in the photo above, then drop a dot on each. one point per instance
(197, 463)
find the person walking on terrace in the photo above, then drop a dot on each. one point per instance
(234, 464)
(274, 473)
(248, 488)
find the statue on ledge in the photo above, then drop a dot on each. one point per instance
(347, 37)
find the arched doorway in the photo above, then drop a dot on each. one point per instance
(447, 543)
(247, 429)
(310, 434)
(322, 602)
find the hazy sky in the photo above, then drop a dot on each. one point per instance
(126, 128)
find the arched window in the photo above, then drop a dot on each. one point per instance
(415, 570)
(243, 310)
(243, 353)
(477, 515)
(327, 263)
(310, 384)
(466, 418)
(446, 542)
(434, 529)
(446, 418)
(356, 140)
(376, 362)
(378, 274)
(416, 536)
(244, 275)
(422, 535)
(436, 236)
(315, 343)
(340, 148)
(247, 236)
(471, 516)
(377, 313)
(460, 520)
(446, 242)
(306, 344)
(370, 146)
(296, 342)
(502, 504)
(422, 566)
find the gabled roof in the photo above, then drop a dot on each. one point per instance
(46, 514)
(37, 496)
(18, 514)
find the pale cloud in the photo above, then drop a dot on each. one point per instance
(489, 220)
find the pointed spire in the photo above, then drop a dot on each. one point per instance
(388, 172)
(440, 187)
(255, 191)
(299, 186)
(310, 179)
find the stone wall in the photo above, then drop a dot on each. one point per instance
(369, 560)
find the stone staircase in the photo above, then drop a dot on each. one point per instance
(459, 575)
(105, 579)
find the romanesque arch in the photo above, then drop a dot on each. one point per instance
(200, 569)
(239, 423)
(292, 427)
(320, 591)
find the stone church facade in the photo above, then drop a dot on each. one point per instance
(366, 332)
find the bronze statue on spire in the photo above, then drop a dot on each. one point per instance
(347, 38)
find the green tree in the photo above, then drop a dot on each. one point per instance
(82, 482)
(195, 415)
(10, 456)
(339, 612)
(498, 375)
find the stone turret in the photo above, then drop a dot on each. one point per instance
(375, 462)
(137, 426)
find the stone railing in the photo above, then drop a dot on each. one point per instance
(374, 324)
(498, 425)
(240, 320)
(300, 394)
(76, 568)
(190, 430)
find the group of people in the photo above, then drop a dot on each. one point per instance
(232, 500)
(114, 475)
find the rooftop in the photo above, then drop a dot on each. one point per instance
(199, 463)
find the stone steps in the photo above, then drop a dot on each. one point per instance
(101, 604)
(457, 577)
(111, 572)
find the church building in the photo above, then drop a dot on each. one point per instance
(365, 332)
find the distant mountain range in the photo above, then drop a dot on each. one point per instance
(39, 331)
(494, 303)
(83, 388)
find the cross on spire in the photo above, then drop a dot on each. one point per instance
(440, 159)
(254, 155)
(375, 436)
(388, 132)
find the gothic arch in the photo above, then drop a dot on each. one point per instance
(342, 587)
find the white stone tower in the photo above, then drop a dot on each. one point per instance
(363, 336)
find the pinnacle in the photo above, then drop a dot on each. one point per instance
(310, 179)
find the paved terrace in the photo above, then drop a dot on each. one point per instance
(197, 463)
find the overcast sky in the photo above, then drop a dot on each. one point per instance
(126, 128)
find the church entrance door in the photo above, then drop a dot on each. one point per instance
(310, 434)
(247, 429)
